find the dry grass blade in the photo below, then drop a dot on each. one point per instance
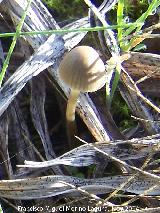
(86, 155)
(109, 35)
(138, 92)
(137, 105)
(58, 185)
(144, 68)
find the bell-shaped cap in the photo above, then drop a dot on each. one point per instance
(82, 69)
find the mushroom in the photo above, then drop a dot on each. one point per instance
(83, 71)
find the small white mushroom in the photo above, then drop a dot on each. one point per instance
(83, 71)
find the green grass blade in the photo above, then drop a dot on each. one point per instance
(120, 18)
(16, 35)
(152, 7)
(115, 81)
(63, 31)
(120, 21)
(154, 4)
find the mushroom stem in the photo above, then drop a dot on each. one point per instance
(71, 105)
(70, 117)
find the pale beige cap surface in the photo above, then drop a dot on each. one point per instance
(82, 69)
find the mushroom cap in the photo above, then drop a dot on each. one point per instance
(82, 69)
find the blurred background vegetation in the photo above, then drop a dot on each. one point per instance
(69, 9)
